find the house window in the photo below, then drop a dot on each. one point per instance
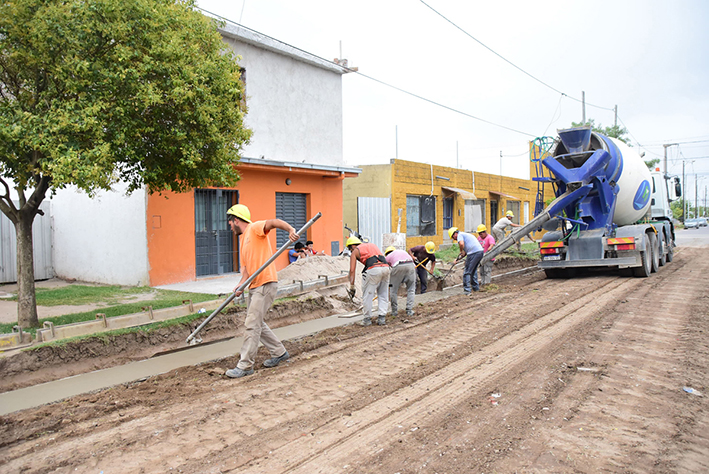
(447, 213)
(420, 215)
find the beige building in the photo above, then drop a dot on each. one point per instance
(430, 200)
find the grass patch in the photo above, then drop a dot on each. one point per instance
(162, 299)
(448, 254)
(105, 337)
(84, 294)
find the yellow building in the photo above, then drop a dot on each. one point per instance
(430, 199)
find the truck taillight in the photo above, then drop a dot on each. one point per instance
(622, 243)
(549, 251)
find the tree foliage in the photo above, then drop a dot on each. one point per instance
(101, 90)
(614, 131)
(97, 91)
(651, 163)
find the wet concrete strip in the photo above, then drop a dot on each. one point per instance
(57, 390)
(51, 392)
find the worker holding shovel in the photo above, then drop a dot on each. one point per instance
(472, 251)
(255, 250)
(423, 255)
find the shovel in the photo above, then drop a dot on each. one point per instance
(451, 269)
(192, 339)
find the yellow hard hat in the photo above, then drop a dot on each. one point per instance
(510, 214)
(352, 241)
(240, 211)
(452, 231)
(430, 247)
(389, 250)
(482, 228)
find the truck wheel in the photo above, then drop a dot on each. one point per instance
(670, 250)
(643, 271)
(661, 251)
(655, 260)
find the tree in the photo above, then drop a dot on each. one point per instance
(614, 131)
(93, 92)
(678, 209)
(651, 163)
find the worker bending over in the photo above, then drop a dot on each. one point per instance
(472, 251)
(422, 256)
(375, 278)
(402, 272)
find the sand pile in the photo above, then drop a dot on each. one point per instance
(307, 269)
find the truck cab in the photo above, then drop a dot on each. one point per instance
(665, 189)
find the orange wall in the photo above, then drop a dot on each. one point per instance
(171, 246)
(171, 243)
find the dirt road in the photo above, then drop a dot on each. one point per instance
(584, 375)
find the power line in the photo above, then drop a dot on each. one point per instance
(442, 105)
(508, 61)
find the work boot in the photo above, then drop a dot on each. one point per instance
(410, 312)
(382, 320)
(365, 322)
(274, 361)
(237, 373)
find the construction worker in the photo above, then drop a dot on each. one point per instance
(254, 251)
(422, 256)
(486, 241)
(472, 251)
(402, 271)
(375, 278)
(498, 230)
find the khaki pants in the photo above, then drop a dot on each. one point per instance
(405, 274)
(260, 300)
(375, 280)
(486, 273)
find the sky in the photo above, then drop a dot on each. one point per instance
(468, 84)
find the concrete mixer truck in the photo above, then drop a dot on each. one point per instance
(610, 211)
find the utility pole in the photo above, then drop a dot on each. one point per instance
(684, 194)
(456, 154)
(615, 123)
(396, 139)
(664, 162)
(696, 208)
(583, 107)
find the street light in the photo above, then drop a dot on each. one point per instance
(664, 162)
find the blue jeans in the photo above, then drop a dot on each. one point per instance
(470, 273)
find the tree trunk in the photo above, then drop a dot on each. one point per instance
(26, 302)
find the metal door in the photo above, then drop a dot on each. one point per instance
(374, 218)
(493, 213)
(214, 242)
(474, 214)
(41, 246)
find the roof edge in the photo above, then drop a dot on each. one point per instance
(306, 166)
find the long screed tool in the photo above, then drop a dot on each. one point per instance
(192, 339)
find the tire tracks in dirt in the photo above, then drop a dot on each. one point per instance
(332, 448)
